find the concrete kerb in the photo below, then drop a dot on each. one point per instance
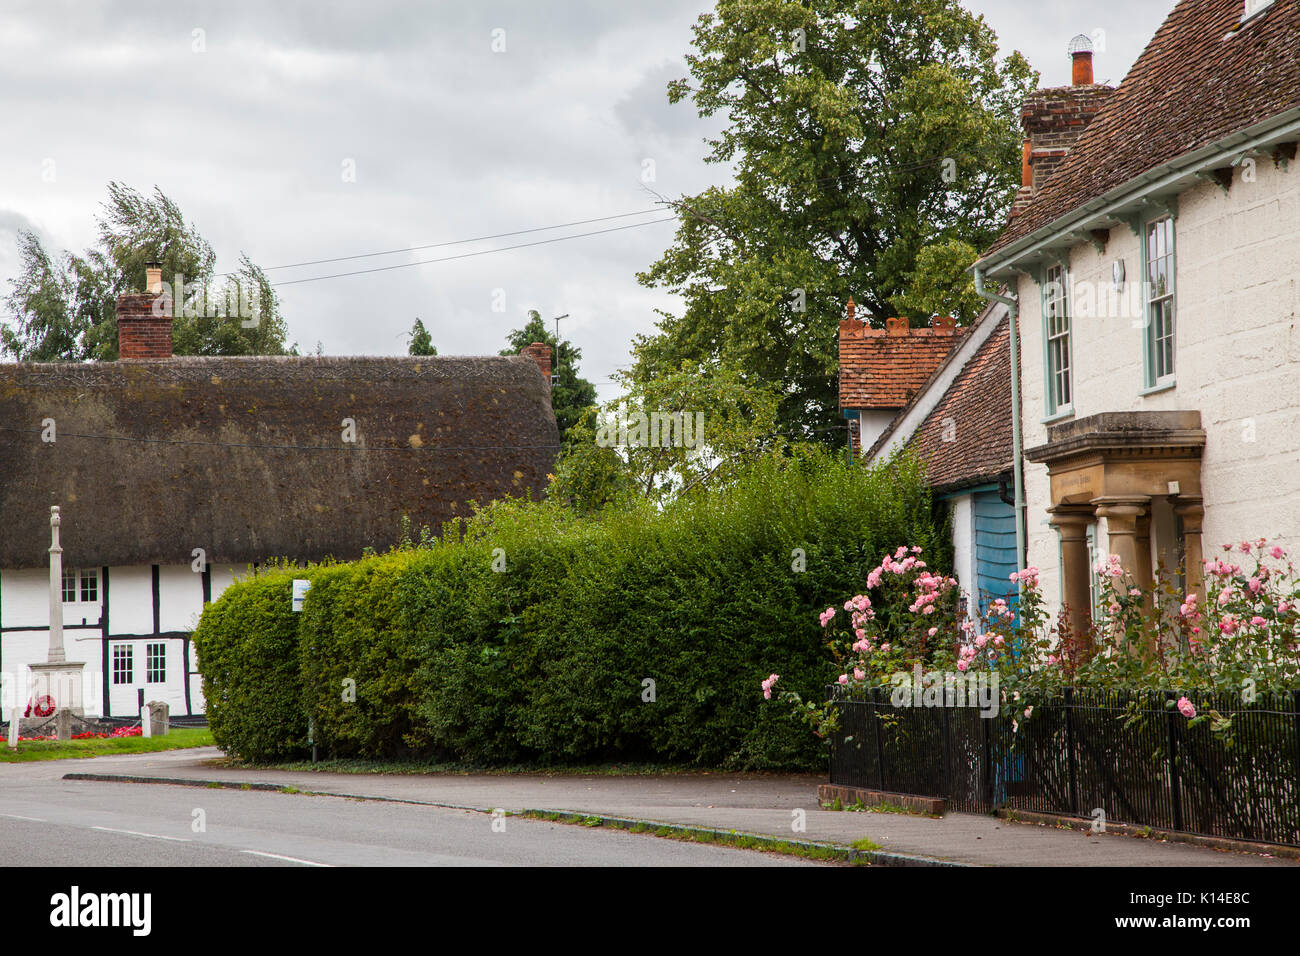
(833, 851)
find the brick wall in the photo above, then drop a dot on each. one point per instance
(1054, 119)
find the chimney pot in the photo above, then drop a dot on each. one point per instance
(153, 277)
(1081, 53)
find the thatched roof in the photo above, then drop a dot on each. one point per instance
(244, 457)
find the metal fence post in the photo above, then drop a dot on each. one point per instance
(880, 746)
(1175, 791)
(1069, 751)
(1295, 711)
(947, 755)
(986, 759)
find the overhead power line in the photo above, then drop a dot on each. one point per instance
(470, 255)
(458, 242)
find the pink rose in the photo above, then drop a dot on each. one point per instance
(1186, 708)
(859, 674)
(1258, 621)
(844, 679)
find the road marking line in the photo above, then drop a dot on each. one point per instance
(291, 859)
(16, 816)
(152, 836)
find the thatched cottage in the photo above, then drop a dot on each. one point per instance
(175, 474)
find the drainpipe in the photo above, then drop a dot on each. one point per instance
(1013, 308)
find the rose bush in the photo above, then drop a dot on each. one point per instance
(1243, 638)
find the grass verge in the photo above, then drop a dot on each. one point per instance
(859, 854)
(177, 739)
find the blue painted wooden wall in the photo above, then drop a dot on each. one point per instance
(995, 546)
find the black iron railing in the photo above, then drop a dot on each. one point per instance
(1112, 755)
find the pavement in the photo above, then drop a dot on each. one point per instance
(762, 804)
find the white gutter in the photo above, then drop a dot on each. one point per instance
(1013, 312)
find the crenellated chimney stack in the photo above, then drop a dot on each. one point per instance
(144, 320)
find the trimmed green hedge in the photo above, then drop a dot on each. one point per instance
(247, 645)
(546, 661)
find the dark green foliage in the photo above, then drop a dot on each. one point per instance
(247, 645)
(545, 660)
(572, 394)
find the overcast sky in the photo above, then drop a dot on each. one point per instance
(251, 115)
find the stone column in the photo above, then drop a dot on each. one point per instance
(56, 654)
(1072, 521)
(1123, 516)
(1142, 549)
(1192, 511)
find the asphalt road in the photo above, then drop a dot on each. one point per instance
(46, 821)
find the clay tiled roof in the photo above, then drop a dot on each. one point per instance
(1203, 76)
(966, 439)
(884, 368)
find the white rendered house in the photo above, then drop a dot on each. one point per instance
(1153, 256)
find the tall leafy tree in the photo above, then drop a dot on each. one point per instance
(861, 133)
(421, 341)
(64, 307)
(572, 394)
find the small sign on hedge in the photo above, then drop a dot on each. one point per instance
(300, 588)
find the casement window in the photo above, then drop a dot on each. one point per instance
(123, 671)
(1158, 252)
(155, 663)
(80, 585)
(1056, 339)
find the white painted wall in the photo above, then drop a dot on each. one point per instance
(963, 543)
(24, 603)
(873, 422)
(1237, 358)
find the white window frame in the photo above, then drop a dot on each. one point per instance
(1158, 376)
(68, 586)
(123, 654)
(1056, 305)
(155, 662)
(88, 581)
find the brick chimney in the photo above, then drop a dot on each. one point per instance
(144, 320)
(540, 353)
(1054, 119)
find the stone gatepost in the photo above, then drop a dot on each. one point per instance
(159, 717)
